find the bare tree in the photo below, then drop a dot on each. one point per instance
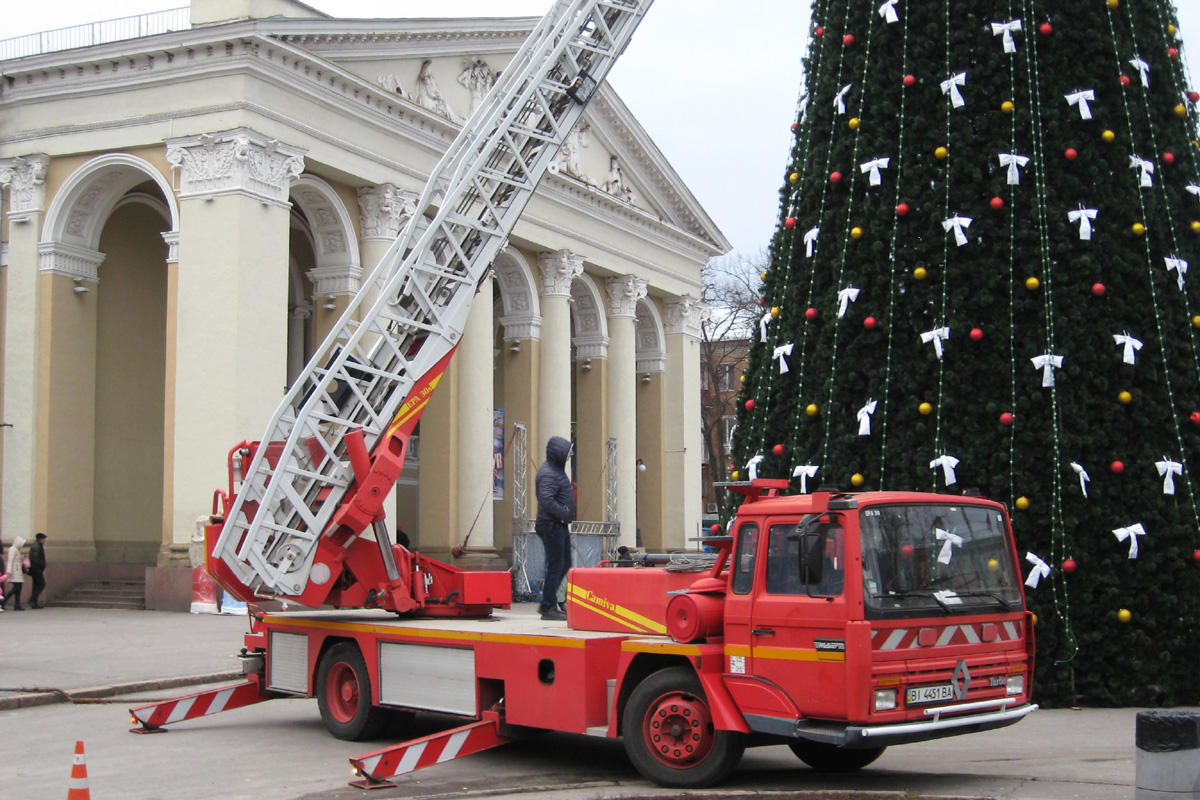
(731, 290)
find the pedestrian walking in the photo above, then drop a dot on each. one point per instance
(14, 566)
(37, 569)
(556, 510)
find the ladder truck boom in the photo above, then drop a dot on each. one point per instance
(336, 443)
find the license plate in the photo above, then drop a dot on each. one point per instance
(929, 694)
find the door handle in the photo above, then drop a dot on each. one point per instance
(762, 632)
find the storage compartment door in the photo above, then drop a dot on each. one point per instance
(428, 678)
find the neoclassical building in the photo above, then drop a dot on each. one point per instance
(187, 212)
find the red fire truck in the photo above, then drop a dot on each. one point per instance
(838, 624)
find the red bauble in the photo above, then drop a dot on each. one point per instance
(795, 126)
(1172, 52)
(997, 203)
(1194, 97)
(1098, 289)
(870, 322)
(820, 32)
(715, 529)
(777, 449)
(910, 80)
(1046, 29)
(1071, 154)
(1195, 417)
(1125, 80)
(1117, 467)
(762, 301)
(749, 405)
(976, 334)
(835, 177)
(907, 551)
(1006, 418)
(789, 223)
(902, 209)
(1069, 565)
(1196, 555)
(810, 313)
(848, 40)
(1168, 158)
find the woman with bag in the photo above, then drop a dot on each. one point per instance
(14, 566)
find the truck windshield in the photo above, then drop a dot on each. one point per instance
(922, 560)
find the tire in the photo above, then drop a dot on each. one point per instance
(344, 695)
(670, 736)
(828, 758)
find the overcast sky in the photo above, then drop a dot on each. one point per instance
(714, 83)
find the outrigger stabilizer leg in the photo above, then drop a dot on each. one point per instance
(151, 717)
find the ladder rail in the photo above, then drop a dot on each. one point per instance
(415, 302)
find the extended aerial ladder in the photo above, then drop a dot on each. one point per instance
(335, 446)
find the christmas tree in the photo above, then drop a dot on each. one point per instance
(979, 280)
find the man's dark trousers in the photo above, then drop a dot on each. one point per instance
(556, 540)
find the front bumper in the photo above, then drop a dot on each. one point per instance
(948, 720)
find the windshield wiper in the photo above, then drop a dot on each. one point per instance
(1007, 605)
(932, 596)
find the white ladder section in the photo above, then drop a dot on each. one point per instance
(414, 305)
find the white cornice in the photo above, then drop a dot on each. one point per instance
(368, 39)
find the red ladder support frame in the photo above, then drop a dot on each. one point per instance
(377, 768)
(153, 716)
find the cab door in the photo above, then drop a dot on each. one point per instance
(799, 613)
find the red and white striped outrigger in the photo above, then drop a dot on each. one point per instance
(152, 716)
(379, 766)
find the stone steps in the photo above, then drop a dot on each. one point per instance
(119, 594)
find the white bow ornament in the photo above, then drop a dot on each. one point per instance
(1168, 469)
(839, 101)
(1131, 533)
(937, 336)
(873, 167)
(804, 473)
(947, 463)
(1147, 168)
(780, 352)
(1084, 217)
(951, 85)
(762, 326)
(810, 241)
(845, 297)
(864, 417)
(1040, 570)
(888, 11)
(1131, 345)
(950, 540)
(1143, 69)
(1007, 29)
(1081, 99)
(1179, 266)
(1014, 163)
(752, 466)
(1047, 363)
(1083, 477)
(958, 225)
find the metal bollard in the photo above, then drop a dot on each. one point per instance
(1168, 755)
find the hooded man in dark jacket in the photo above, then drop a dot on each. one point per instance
(556, 510)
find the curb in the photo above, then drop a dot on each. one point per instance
(38, 696)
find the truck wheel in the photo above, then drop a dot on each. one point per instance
(344, 695)
(828, 758)
(670, 736)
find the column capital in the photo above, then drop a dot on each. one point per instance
(557, 270)
(522, 327)
(336, 280)
(239, 161)
(77, 263)
(25, 178)
(384, 210)
(685, 315)
(624, 292)
(172, 240)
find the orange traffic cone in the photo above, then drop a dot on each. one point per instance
(79, 782)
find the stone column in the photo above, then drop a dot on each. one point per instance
(383, 211)
(231, 346)
(556, 271)
(521, 358)
(23, 180)
(623, 296)
(591, 405)
(476, 368)
(655, 516)
(682, 435)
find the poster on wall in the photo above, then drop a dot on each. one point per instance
(497, 453)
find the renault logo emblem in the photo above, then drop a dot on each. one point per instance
(961, 680)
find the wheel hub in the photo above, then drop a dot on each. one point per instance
(679, 730)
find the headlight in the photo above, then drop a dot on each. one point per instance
(1016, 684)
(885, 699)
